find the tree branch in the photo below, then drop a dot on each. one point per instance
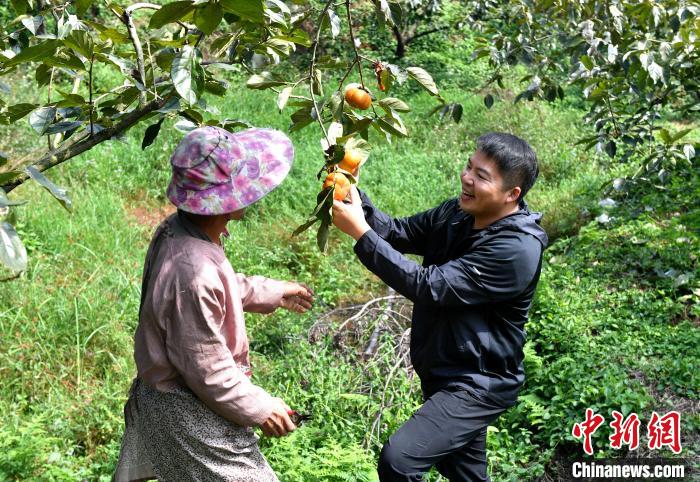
(427, 32)
(134, 36)
(354, 46)
(54, 158)
(312, 69)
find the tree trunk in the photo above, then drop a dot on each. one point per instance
(400, 44)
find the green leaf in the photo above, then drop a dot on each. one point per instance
(81, 42)
(21, 6)
(3, 161)
(151, 133)
(316, 83)
(301, 118)
(216, 87)
(586, 61)
(230, 124)
(70, 100)
(8, 176)
(164, 58)
(681, 134)
(42, 74)
(386, 79)
(208, 16)
(108, 32)
(6, 202)
(33, 24)
(392, 103)
(306, 225)
(59, 193)
(65, 58)
(334, 21)
(81, 6)
(17, 111)
(391, 12)
(666, 136)
(611, 148)
(284, 97)
(264, 80)
(298, 36)
(488, 101)
(63, 126)
(656, 72)
(689, 151)
(220, 45)
(322, 234)
(35, 52)
(391, 126)
(423, 78)
(171, 12)
(172, 105)
(251, 10)
(184, 125)
(41, 118)
(359, 125)
(187, 74)
(12, 251)
(334, 131)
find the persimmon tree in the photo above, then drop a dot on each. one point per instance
(633, 61)
(168, 56)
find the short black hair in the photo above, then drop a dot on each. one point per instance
(514, 157)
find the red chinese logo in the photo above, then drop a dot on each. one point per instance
(587, 428)
(626, 432)
(663, 431)
(666, 431)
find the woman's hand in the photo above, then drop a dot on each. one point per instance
(297, 297)
(349, 217)
(278, 424)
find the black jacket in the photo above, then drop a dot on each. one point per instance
(471, 295)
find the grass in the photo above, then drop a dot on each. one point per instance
(66, 357)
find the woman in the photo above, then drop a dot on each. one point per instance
(192, 406)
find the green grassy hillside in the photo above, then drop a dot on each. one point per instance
(612, 326)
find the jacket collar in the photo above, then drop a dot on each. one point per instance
(180, 219)
(523, 220)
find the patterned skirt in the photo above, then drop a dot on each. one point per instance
(173, 436)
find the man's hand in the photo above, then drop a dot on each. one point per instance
(349, 217)
(297, 297)
(278, 424)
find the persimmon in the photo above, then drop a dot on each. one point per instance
(341, 183)
(350, 161)
(358, 98)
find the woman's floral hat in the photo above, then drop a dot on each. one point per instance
(218, 172)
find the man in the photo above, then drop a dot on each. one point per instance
(482, 256)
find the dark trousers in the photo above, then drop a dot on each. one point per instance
(448, 431)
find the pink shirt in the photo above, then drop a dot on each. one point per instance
(191, 330)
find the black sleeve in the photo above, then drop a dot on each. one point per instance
(497, 270)
(406, 235)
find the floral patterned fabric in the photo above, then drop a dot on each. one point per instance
(173, 437)
(218, 172)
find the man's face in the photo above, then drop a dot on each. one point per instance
(482, 187)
